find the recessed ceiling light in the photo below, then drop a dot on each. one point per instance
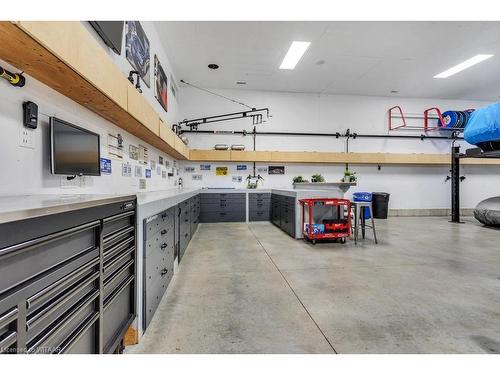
(294, 54)
(463, 65)
(213, 66)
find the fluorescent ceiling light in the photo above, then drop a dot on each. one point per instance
(294, 54)
(462, 66)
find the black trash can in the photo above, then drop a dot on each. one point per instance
(380, 204)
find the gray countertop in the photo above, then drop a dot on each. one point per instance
(19, 207)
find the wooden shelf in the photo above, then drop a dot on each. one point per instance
(331, 158)
(65, 57)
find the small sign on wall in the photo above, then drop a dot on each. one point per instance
(148, 173)
(241, 167)
(133, 152)
(221, 171)
(237, 178)
(276, 169)
(262, 169)
(105, 166)
(188, 169)
(138, 171)
(205, 167)
(126, 170)
(197, 177)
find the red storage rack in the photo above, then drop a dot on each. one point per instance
(338, 228)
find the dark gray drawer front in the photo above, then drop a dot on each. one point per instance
(259, 215)
(24, 261)
(256, 196)
(221, 217)
(218, 196)
(226, 206)
(258, 205)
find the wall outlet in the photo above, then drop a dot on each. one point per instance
(27, 138)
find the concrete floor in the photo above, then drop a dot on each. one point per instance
(429, 286)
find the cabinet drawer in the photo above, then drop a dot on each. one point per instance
(8, 332)
(221, 217)
(259, 216)
(219, 196)
(118, 222)
(21, 262)
(256, 196)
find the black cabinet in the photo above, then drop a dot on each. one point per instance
(222, 207)
(283, 213)
(67, 284)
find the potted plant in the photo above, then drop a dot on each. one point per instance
(317, 178)
(298, 179)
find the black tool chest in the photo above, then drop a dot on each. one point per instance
(283, 213)
(223, 207)
(67, 281)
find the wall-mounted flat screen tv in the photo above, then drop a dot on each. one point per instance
(74, 151)
(111, 32)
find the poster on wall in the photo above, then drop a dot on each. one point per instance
(276, 169)
(160, 160)
(204, 167)
(161, 85)
(137, 49)
(241, 167)
(143, 155)
(126, 170)
(133, 152)
(163, 174)
(115, 146)
(138, 171)
(237, 178)
(105, 166)
(197, 177)
(262, 169)
(188, 169)
(148, 173)
(221, 171)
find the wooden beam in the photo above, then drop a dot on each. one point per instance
(56, 54)
(210, 155)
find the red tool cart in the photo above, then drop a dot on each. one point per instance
(331, 223)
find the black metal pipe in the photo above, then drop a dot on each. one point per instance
(336, 135)
(455, 184)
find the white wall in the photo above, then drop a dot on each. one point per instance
(26, 171)
(410, 186)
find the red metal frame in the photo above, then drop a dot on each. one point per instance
(402, 117)
(336, 230)
(426, 119)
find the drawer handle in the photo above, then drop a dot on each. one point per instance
(117, 291)
(70, 316)
(8, 317)
(185, 235)
(59, 285)
(163, 216)
(8, 341)
(78, 333)
(163, 272)
(41, 315)
(118, 259)
(163, 232)
(163, 246)
(118, 273)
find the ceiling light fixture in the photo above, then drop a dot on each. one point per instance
(213, 66)
(463, 65)
(294, 54)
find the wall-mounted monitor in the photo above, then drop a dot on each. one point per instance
(111, 32)
(74, 151)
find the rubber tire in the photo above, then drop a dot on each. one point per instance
(343, 240)
(313, 242)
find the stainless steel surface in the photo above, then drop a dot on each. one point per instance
(19, 207)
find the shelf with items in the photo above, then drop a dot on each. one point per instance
(65, 57)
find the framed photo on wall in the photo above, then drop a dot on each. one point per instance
(137, 49)
(161, 85)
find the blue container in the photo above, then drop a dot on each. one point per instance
(363, 196)
(316, 228)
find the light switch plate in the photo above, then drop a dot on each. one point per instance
(27, 138)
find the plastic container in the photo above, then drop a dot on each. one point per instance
(380, 205)
(362, 196)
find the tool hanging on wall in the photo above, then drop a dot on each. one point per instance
(257, 115)
(15, 79)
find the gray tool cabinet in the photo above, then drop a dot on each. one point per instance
(67, 280)
(283, 213)
(259, 206)
(223, 207)
(159, 256)
(166, 236)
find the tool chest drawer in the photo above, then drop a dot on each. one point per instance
(219, 196)
(259, 196)
(21, 262)
(221, 217)
(8, 329)
(259, 215)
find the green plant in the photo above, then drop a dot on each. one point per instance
(298, 179)
(317, 178)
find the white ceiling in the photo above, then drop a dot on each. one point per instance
(361, 58)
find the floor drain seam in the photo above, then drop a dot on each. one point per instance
(293, 291)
